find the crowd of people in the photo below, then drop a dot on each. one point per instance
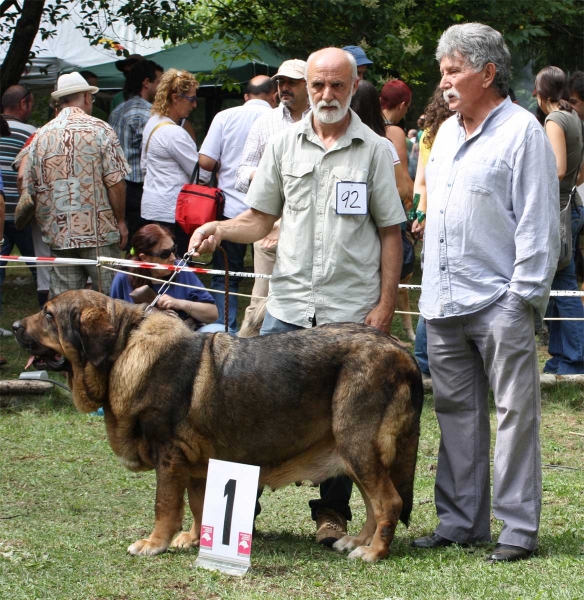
(320, 176)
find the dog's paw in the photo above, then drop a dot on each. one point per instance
(345, 544)
(365, 553)
(185, 540)
(146, 548)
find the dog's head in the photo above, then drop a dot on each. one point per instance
(81, 332)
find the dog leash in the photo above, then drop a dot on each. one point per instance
(184, 261)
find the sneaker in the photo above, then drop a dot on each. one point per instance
(330, 527)
(5, 332)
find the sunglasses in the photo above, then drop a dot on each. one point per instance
(26, 95)
(165, 253)
(191, 99)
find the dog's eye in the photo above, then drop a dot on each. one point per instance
(48, 315)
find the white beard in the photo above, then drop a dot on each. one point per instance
(329, 116)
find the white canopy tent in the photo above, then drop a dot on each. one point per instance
(68, 48)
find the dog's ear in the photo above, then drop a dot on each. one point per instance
(97, 335)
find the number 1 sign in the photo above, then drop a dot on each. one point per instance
(226, 530)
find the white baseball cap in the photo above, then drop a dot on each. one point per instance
(293, 69)
(72, 83)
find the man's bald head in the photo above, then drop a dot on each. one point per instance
(332, 58)
(17, 102)
(261, 87)
(331, 78)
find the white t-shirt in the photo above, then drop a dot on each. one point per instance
(224, 143)
(167, 166)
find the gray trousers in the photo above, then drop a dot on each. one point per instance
(495, 346)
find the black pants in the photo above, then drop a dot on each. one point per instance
(133, 206)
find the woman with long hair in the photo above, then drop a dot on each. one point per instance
(564, 130)
(396, 98)
(169, 154)
(366, 104)
(153, 243)
(435, 114)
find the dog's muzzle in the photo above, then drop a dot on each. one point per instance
(42, 358)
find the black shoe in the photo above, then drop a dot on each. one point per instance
(432, 541)
(508, 553)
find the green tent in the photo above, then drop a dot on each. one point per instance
(197, 58)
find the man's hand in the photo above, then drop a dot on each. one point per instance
(380, 318)
(123, 234)
(205, 239)
(271, 240)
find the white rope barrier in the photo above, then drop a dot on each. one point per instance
(111, 264)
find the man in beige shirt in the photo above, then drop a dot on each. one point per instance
(339, 255)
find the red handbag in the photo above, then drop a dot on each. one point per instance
(198, 204)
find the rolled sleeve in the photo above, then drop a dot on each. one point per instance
(385, 204)
(266, 192)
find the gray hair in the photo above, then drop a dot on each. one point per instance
(477, 45)
(349, 57)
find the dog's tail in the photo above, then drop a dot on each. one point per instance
(403, 467)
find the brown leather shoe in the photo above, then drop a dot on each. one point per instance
(330, 527)
(508, 553)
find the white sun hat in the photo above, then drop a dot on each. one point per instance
(72, 83)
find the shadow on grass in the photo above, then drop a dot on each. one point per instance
(57, 400)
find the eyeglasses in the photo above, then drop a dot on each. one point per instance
(164, 254)
(191, 99)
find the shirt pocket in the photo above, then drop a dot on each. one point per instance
(481, 181)
(343, 173)
(297, 183)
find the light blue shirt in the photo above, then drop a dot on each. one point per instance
(492, 215)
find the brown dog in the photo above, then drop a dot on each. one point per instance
(305, 405)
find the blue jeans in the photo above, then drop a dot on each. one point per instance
(23, 241)
(567, 337)
(235, 257)
(421, 346)
(335, 492)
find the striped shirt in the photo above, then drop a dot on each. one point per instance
(9, 148)
(261, 131)
(128, 120)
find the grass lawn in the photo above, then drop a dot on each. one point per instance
(68, 511)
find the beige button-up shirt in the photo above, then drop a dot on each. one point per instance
(328, 265)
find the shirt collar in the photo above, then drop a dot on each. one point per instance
(286, 111)
(258, 102)
(499, 109)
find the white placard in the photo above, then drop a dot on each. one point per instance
(351, 198)
(226, 530)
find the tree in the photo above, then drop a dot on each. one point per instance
(20, 21)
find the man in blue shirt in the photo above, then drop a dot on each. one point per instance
(128, 120)
(491, 249)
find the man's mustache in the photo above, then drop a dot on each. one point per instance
(451, 93)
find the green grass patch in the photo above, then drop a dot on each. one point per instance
(69, 510)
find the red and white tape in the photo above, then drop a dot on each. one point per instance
(122, 262)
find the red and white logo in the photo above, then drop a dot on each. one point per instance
(206, 537)
(244, 544)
